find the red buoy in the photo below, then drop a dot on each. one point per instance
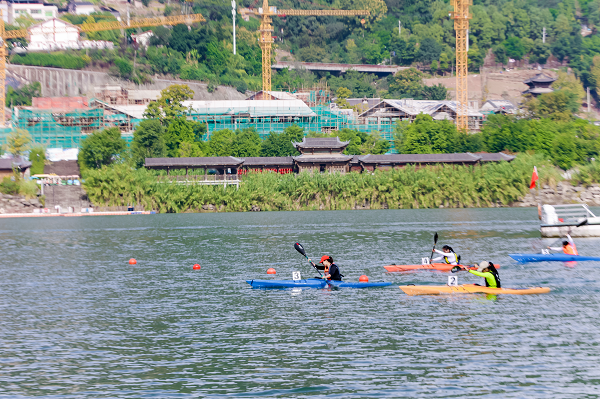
(271, 271)
(363, 279)
(132, 261)
(196, 267)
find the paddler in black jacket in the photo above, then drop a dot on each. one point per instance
(332, 272)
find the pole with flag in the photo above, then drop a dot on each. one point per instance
(534, 178)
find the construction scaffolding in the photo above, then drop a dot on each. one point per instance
(66, 129)
(59, 129)
(322, 119)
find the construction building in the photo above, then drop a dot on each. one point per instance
(64, 122)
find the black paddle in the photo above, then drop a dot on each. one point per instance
(435, 238)
(300, 249)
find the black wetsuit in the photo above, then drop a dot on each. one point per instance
(334, 271)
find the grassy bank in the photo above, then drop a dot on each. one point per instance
(430, 187)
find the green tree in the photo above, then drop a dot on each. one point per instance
(407, 81)
(280, 144)
(24, 95)
(246, 143)
(101, 148)
(169, 105)
(37, 156)
(426, 136)
(148, 141)
(179, 131)
(221, 142)
(514, 48)
(429, 50)
(17, 142)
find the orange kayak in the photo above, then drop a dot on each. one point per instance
(469, 289)
(442, 267)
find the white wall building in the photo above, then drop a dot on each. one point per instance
(143, 39)
(4, 9)
(39, 11)
(81, 8)
(60, 35)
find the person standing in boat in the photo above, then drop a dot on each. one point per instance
(448, 256)
(568, 247)
(331, 271)
(489, 272)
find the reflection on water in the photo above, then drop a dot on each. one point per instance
(79, 322)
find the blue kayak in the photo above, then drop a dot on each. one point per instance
(312, 283)
(524, 258)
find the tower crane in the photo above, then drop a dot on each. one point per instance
(266, 40)
(86, 27)
(461, 18)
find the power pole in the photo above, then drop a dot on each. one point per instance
(233, 14)
(544, 35)
(399, 28)
(588, 102)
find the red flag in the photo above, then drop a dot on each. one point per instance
(534, 177)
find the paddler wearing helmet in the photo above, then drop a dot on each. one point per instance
(448, 256)
(568, 247)
(331, 271)
(489, 272)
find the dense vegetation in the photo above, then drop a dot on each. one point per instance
(430, 187)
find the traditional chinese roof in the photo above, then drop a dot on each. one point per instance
(192, 162)
(465, 157)
(495, 157)
(321, 142)
(322, 158)
(8, 164)
(540, 78)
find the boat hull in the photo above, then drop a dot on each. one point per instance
(469, 289)
(312, 283)
(525, 258)
(441, 267)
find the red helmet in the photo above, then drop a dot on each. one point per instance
(326, 257)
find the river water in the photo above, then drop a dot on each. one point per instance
(77, 321)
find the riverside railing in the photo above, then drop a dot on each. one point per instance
(225, 180)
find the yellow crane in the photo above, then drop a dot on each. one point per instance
(93, 27)
(461, 27)
(266, 40)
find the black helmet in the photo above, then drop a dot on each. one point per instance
(565, 242)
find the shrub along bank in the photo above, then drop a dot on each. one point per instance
(430, 187)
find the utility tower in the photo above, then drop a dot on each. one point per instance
(95, 27)
(461, 27)
(266, 40)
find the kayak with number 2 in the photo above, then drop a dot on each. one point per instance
(524, 258)
(441, 267)
(469, 289)
(313, 283)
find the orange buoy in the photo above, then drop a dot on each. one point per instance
(271, 271)
(132, 261)
(363, 279)
(196, 267)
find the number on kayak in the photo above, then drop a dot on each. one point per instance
(452, 281)
(425, 261)
(545, 252)
(296, 276)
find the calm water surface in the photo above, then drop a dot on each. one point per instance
(77, 321)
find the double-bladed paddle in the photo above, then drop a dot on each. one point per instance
(435, 238)
(300, 249)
